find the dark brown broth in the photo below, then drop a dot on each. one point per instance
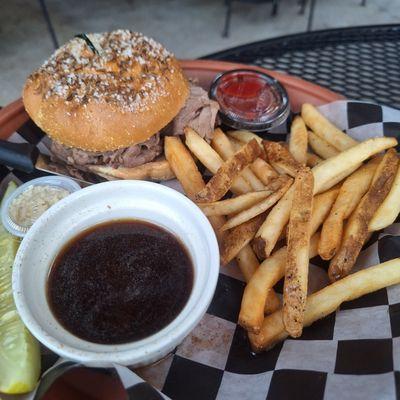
(119, 282)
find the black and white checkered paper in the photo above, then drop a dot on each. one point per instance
(349, 355)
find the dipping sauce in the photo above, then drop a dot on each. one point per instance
(250, 99)
(120, 281)
(33, 202)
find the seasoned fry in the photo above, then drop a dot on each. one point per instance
(256, 209)
(263, 171)
(313, 160)
(298, 141)
(264, 279)
(235, 204)
(271, 229)
(327, 300)
(322, 204)
(357, 227)
(325, 129)
(244, 136)
(280, 158)
(277, 183)
(321, 146)
(216, 222)
(298, 241)
(239, 237)
(248, 264)
(210, 159)
(223, 146)
(183, 165)
(351, 192)
(326, 172)
(389, 209)
(221, 182)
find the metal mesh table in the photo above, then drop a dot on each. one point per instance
(361, 63)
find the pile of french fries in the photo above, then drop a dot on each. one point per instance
(274, 206)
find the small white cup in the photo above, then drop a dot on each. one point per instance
(97, 204)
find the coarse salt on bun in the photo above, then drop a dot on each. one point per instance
(117, 98)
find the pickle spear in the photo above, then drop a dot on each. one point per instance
(19, 350)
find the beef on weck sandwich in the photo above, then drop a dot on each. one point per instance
(106, 100)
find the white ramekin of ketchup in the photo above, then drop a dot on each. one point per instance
(250, 100)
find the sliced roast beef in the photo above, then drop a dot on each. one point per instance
(199, 113)
(129, 157)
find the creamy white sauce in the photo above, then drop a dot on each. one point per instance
(26, 208)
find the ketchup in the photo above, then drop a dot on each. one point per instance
(250, 100)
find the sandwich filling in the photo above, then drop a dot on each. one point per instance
(198, 113)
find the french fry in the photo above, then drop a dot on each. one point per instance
(351, 192)
(263, 171)
(328, 299)
(183, 165)
(239, 237)
(223, 146)
(322, 205)
(388, 211)
(250, 177)
(298, 243)
(357, 226)
(280, 158)
(298, 141)
(185, 169)
(235, 204)
(222, 181)
(338, 178)
(248, 264)
(210, 159)
(264, 279)
(244, 136)
(325, 129)
(216, 222)
(271, 229)
(272, 303)
(313, 160)
(157, 170)
(277, 183)
(236, 144)
(326, 173)
(256, 209)
(321, 146)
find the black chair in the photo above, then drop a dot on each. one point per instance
(274, 10)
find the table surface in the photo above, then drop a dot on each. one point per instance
(361, 63)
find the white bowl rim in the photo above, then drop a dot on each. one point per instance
(111, 353)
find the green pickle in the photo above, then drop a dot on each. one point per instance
(19, 350)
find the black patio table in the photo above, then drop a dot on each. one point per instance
(361, 63)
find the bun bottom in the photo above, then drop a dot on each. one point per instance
(158, 170)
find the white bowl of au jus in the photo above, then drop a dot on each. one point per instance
(138, 295)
